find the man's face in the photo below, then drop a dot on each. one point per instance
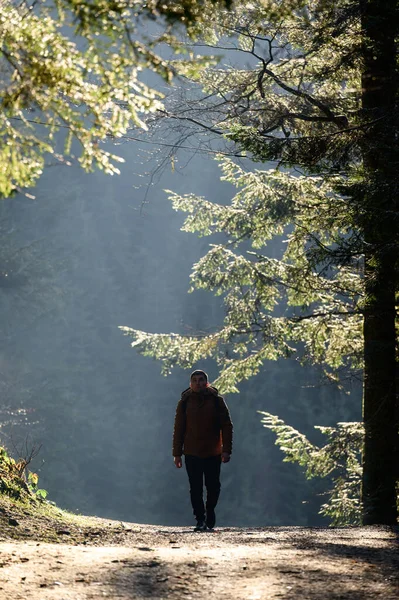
(198, 383)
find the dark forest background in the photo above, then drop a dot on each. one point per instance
(93, 252)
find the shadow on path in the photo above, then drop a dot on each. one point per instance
(264, 563)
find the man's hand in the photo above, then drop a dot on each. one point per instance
(178, 462)
(225, 457)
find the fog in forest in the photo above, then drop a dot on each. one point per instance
(90, 253)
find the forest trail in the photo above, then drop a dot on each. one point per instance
(238, 563)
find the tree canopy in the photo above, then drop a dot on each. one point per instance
(74, 67)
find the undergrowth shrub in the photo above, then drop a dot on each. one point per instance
(338, 461)
(15, 481)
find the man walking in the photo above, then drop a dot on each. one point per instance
(203, 432)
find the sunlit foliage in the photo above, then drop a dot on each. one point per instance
(338, 460)
(73, 67)
(299, 105)
(322, 322)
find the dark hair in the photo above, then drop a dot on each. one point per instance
(199, 372)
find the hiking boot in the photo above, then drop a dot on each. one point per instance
(210, 518)
(200, 526)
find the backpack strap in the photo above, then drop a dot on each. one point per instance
(185, 393)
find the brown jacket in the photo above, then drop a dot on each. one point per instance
(202, 424)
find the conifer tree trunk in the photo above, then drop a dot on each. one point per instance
(380, 225)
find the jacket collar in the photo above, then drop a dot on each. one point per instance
(208, 391)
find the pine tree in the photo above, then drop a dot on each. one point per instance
(320, 101)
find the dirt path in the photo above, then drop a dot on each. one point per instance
(166, 562)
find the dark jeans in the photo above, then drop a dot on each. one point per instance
(199, 469)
